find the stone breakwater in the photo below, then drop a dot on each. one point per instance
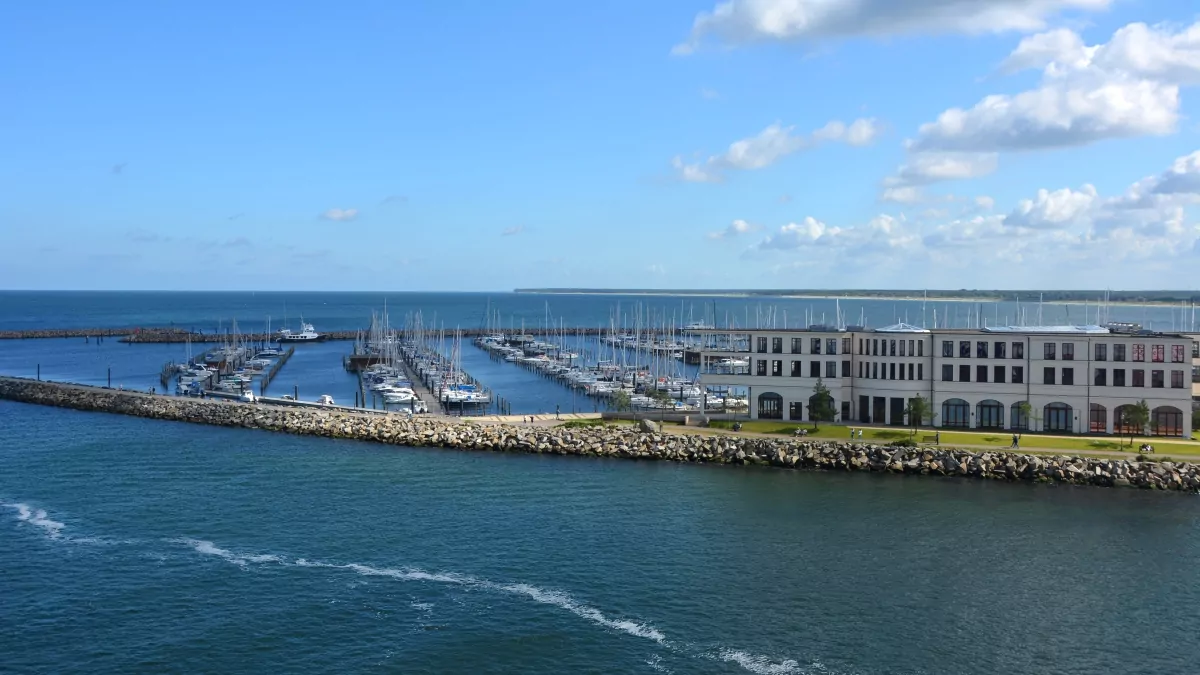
(87, 333)
(644, 442)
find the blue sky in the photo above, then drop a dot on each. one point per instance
(673, 144)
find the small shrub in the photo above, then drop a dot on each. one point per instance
(903, 443)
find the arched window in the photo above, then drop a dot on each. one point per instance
(1019, 419)
(1057, 417)
(989, 415)
(1166, 420)
(1121, 425)
(770, 406)
(1097, 418)
(956, 413)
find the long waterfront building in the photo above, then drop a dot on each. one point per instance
(1077, 379)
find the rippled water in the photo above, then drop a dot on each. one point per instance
(138, 546)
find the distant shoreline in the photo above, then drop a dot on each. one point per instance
(1078, 297)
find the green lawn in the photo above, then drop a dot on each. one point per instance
(999, 440)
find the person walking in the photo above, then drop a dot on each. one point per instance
(1016, 442)
(556, 411)
(851, 433)
(860, 434)
(937, 438)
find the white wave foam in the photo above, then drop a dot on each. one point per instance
(209, 548)
(38, 518)
(655, 663)
(422, 606)
(760, 665)
(592, 614)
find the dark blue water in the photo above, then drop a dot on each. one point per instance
(130, 545)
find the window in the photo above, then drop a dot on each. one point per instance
(1118, 377)
(981, 349)
(1118, 352)
(796, 410)
(874, 371)
(860, 346)
(902, 351)
(1157, 352)
(947, 349)
(892, 370)
(845, 345)
(902, 365)
(1101, 351)
(875, 347)
(831, 369)
(761, 366)
(1068, 352)
(910, 371)
(998, 372)
(1176, 353)
(1196, 350)
(1018, 375)
(964, 373)
(1101, 378)
(1177, 379)
(1068, 376)
(797, 345)
(947, 373)
(1139, 378)
(814, 368)
(816, 346)
(1049, 348)
(956, 413)
(831, 346)
(1098, 419)
(776, 368)
(920, 370)
(921, 348)
(1156, 379)
(797, 368)
(892, 350)
(964, 349)
(1057, 417)
(981, 373)
(999, 348)
(1139, 352)
(1047, 376)
(845, 369)
(1018, 350)
(762, 345)
(776, 345)
(860, 368)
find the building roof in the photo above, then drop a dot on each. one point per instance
(901, 328)
(1087, 330)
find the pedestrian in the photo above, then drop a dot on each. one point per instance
(1016, 442)
(937, 438)
(860, 434)
(556, 411)
(851, 433)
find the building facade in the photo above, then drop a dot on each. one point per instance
(1074, 379)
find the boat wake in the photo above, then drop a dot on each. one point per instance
(38, 518)
(754, 663)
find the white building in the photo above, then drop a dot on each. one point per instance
(1075, 378)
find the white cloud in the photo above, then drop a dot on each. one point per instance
(769, 146)
(739, 22)
(1074, 232)
(1053, 210)
(903, 195)
(931, 167)
(510, 231)
(1126, 87)
(735, 228)
(340, 215)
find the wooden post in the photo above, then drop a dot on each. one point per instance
(110, 378)
(39, 372)
(296, 392)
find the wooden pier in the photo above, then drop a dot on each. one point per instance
(179, 335)
(270, 374)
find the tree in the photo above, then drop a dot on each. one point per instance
(621, 402)
(1136, 417)
(917, 410)
(820, 405)
(1025, 410)
(1195, 422)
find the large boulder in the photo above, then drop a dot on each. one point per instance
(647, 426)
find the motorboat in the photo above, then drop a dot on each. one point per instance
(325, 399)
(307, 334)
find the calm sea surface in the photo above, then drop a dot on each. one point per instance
(131, 545)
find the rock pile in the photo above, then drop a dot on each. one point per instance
(633, 442)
